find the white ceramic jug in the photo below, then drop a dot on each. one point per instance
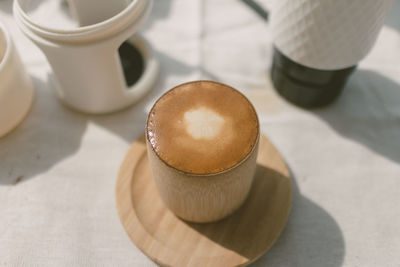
(85, 59)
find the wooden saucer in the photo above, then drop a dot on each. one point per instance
(236, 240)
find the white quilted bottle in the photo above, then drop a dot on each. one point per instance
(318, 44)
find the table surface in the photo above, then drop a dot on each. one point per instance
(58, 168)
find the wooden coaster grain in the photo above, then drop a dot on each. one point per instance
(234, 241)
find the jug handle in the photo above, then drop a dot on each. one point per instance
(150, 71)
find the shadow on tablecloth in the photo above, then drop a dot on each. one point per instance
(51, 132)
(311, 237)
(47, 135)
(368, 112)
(393, 19)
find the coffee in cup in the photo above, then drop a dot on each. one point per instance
(202, 141)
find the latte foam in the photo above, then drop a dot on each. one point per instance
(202, 127)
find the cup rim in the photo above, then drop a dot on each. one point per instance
(7, 51)
(190, 174)
(132, 12)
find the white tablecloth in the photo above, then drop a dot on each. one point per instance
(58, 168)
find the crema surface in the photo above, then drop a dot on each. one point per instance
(202, 127)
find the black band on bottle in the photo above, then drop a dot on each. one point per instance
(304, 86)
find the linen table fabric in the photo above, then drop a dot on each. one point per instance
(58, 168)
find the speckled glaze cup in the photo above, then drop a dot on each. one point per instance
(202, 141)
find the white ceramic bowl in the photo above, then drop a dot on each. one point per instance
(16, 90)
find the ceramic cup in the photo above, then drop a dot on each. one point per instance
(202, 143)
(16, 91)
(85, 60)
